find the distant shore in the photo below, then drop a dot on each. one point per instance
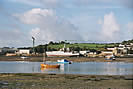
(74, 59)
(64, 81)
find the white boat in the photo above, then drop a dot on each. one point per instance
(61, 54)
(110, 57)
(24, 57)
(64, 61)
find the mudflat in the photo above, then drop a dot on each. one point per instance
(64, 81)
(74, 59)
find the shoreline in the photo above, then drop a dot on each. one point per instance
(74, 59)
(64, 81)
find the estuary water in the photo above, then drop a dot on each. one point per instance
(91, 68)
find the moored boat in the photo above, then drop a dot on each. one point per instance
(64, 61)
(110, 57)
(49, 66)
(61, 54)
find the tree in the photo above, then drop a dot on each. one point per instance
(51, 43)
(62, 42)
(77, 49)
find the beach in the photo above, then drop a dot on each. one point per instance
(74, 59)
(64, 81)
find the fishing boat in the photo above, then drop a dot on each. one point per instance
(44, 65)
(64, 61)
(61, 54)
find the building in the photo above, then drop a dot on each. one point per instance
(24, 51)
(84, 52)
(111, 49)
(122, 49)
(0, 50)
(107, 52)
(6, 50)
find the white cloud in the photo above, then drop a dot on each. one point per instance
(110, 27)
(130, 26)
(42, 3)
(13, 38)
(130, 30)
(35, 16)
(100, 21)
(49, 25)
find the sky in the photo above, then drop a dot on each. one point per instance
(71, 20)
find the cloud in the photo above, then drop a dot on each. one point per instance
(130, 30)
(13, 38)
(35, 16)
(94, 3)
(50, 3)
(83, 2)
(127, 3)
(110, 27)
(42, 3)
(100, 21)
(49, 26)
(130, 26)
(104, 3)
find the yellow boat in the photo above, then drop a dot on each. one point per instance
(49, 66)
(43, 65)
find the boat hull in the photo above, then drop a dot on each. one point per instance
(64, 61)
(61, 54)
(49, 66)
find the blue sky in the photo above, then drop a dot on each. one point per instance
(56, 20)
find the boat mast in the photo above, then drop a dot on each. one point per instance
(44, 55)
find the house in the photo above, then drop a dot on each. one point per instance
(110, 49)
(24, 51)
(122, 49)
(6, 50)
(107, 52)
(0, 50)
(84, 52)
(10, 54)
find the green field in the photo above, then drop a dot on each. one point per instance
(82, 46)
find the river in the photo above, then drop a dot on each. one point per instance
(90, 68)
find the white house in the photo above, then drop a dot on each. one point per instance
(107, 53)
(24, 51)
(110, 49)
(83, 52)
(0, 50)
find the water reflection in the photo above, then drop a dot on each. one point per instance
(98, 68)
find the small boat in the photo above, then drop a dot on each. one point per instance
(64, 61)
(49, 66)
(24, 57)
(110, 57)
(44, 65)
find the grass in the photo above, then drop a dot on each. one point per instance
(82, 46)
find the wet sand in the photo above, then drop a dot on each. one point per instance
(63, 81)
(74, 59)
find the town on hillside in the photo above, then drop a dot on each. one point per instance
(123, 49)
